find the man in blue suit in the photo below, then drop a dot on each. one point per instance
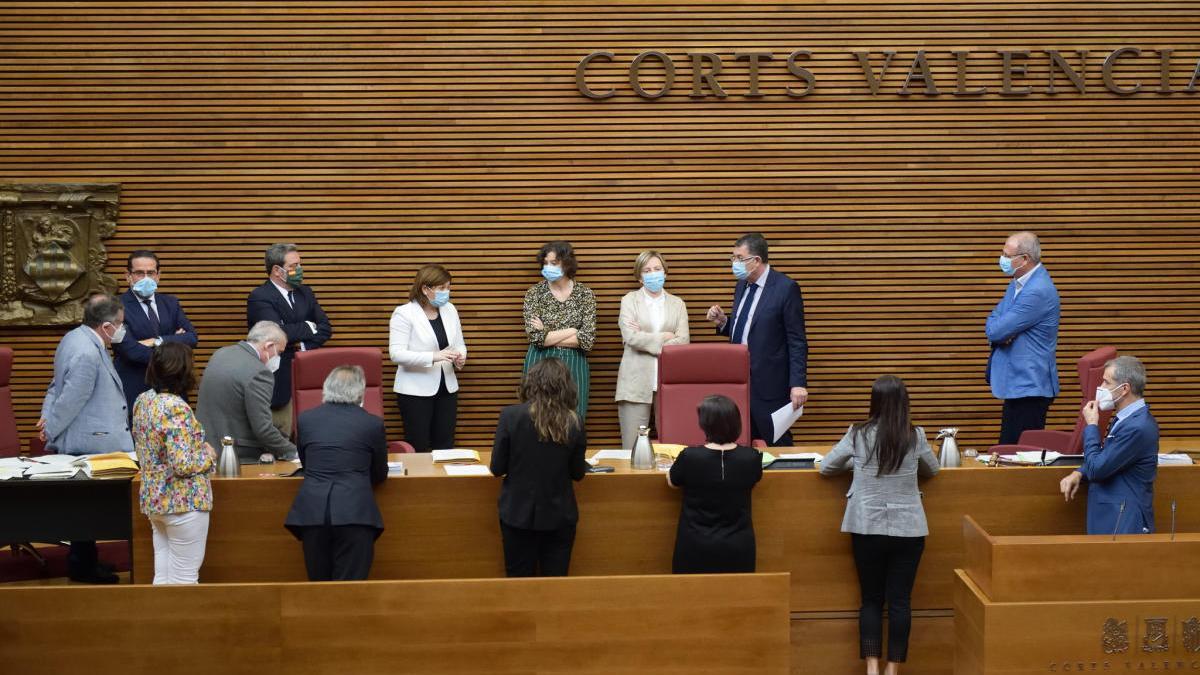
(1023, 332)
(768, 317)
(1120, 473)
(151, 318)
(284, 299)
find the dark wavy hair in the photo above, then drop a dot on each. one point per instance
(892, 422)
(551, 395)
(170, 369)
(565, 254)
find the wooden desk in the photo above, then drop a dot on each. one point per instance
(446, 527)
(1038, 604)
(736, 624)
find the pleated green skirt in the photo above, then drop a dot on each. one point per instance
(576, 362)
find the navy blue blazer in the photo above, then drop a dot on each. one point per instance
(777, 343)
(1023, 332)
(343, 449)
(1121, 471)
(266, 303)
(131, 358)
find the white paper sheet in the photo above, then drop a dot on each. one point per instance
(814, 456)
(783, 419)
(613, 454)
(467, 470)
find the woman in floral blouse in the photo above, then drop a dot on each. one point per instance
(560, 317)
(176, 494)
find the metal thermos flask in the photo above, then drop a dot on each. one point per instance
(228, 465)
(949, 454)
(643, 454)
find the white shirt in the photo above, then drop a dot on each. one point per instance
(1024, 279)
(761, 283)
(656, 308)
(287, 296)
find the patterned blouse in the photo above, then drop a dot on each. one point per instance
(578, 312)
(170, 450)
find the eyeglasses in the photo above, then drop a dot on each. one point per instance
(142, 274)
(734, 258)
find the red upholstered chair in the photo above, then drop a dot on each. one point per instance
(10, 441)
(1091, 373)
(310, 368)
(688, 373)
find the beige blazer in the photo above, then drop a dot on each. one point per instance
(635, 378)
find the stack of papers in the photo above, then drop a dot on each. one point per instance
(455, 456)
(618, 455)
(466, 470)
(1174, 458)
(11, 467)
(671, 450)
(111, 465)
(397, 469)
(40, 469)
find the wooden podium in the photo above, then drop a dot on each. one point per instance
(1078, 603)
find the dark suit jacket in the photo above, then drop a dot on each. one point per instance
(266, 303)
(131, 358)
(344, 451)
(1121, 471)
(537, 493)
(777, 343)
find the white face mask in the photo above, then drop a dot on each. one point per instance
(117, 335)
(1104, 399)
(273, 362)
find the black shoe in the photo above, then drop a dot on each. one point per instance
(106, 568)
(96, 575)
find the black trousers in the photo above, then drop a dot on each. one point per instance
(338, 552)
(1021, 414)
(887, 568)
(785, 441)
(429, 421)
(537, 553)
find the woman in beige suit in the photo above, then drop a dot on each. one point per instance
(650, 318)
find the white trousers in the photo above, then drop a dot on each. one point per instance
(179, 541)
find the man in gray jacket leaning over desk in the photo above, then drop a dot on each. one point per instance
(84, 409)
(235, 396)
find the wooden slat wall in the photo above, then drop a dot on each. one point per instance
(383, 135)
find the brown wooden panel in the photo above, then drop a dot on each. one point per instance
(381, 136)
(734, 624)
(828, 644)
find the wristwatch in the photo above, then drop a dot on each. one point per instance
(158, 341)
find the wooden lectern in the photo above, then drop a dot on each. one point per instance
(1077, 603)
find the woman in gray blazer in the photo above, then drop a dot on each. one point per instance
(884, 516)
(650, 318)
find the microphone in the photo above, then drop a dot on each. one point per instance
(1172, 519)
(1118, 525)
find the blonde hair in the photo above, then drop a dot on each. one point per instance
(643, 259)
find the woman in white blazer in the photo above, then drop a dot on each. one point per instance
(427, 346)
(650, 318)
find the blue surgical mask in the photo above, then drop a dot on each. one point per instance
(739, 269)
(654, 281)
(440, 297)
(145, 288)
(1006, 264)
(552, 272)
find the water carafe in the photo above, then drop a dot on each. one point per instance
(949, 454)
(643, 455)
(228, 465)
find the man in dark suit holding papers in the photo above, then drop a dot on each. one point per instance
(768, 317)
(1121, 472)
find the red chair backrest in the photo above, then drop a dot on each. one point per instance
(1091, 374)
(688, 373)
(10, 441)
(310, 368)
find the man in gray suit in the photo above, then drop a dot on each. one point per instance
(235, 395)
(84, 409)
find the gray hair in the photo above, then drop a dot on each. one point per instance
(1028, 244)
(277, 253)
(755, 243)
(266, 331)
(345, 384)
(101, 308)
(1129, 370)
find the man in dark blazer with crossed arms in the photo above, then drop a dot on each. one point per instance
(768, 317)
(151, 318)
(284, 299)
